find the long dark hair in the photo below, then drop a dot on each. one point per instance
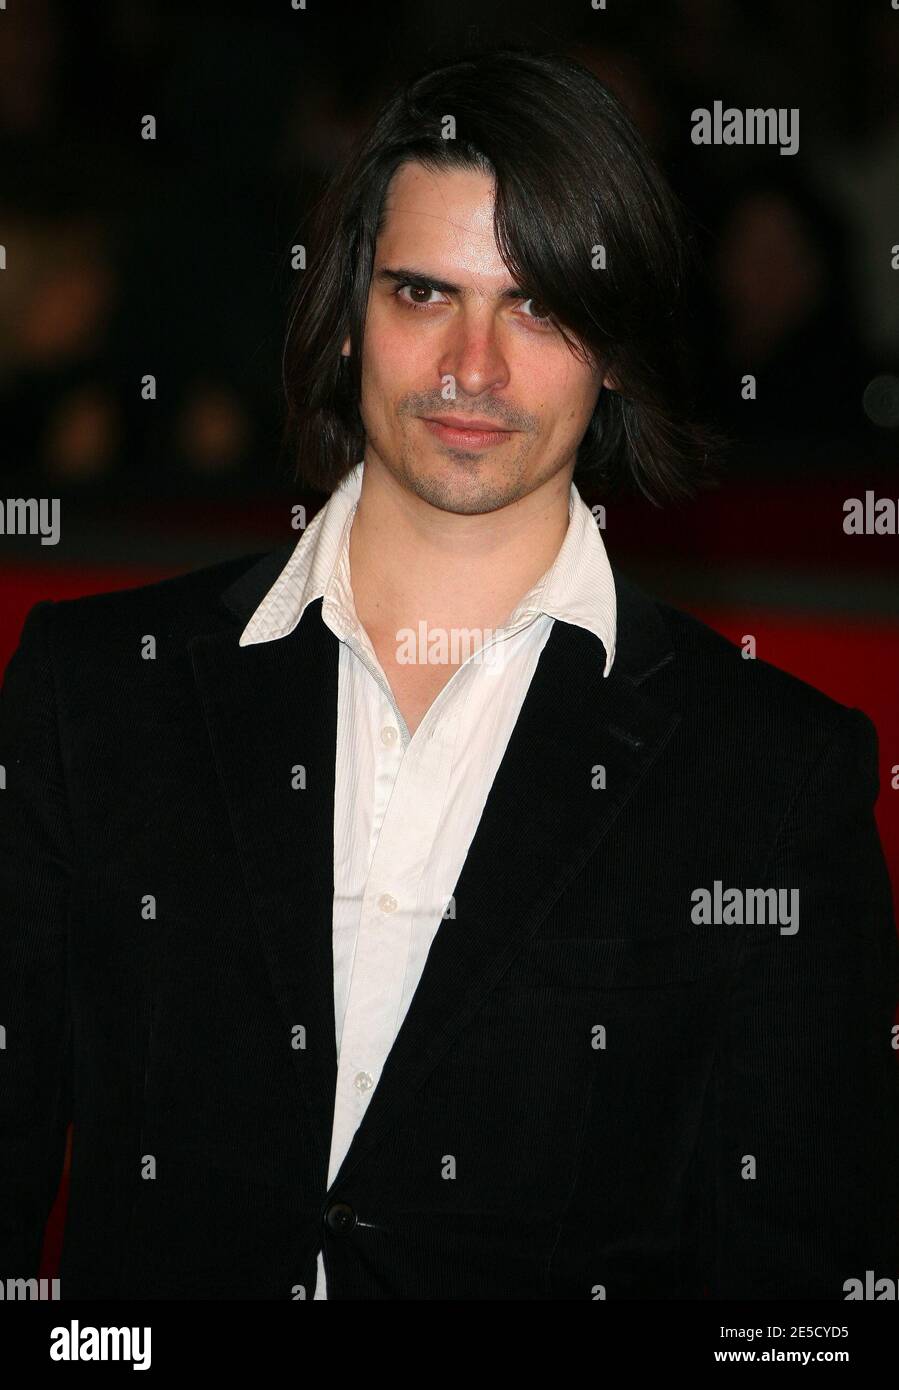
(572, 173)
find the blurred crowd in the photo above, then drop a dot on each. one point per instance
(126, 257)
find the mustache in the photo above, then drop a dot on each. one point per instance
(504, 416)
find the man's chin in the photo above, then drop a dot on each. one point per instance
(464, 487)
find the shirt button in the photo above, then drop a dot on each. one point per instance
(388, 736)
(387, 902)
(362, 1081)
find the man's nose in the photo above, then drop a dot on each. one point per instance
(473, 353)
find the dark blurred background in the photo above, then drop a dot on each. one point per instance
(125, 256)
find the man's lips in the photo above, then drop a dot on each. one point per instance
(456, 429)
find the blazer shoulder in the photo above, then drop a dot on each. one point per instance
(751, 693)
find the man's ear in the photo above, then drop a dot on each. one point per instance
(610, 383)
(345, 350)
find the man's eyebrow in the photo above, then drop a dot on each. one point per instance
(405, 275)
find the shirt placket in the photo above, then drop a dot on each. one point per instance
(385, 926)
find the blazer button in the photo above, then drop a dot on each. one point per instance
(340, 1217)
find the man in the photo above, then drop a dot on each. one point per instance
(372, 962)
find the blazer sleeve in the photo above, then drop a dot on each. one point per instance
(806, 1087)
(36, 854)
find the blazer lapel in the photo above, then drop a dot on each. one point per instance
(273, 705)
(271, 709)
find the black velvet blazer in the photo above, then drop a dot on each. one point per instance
(639, 1103)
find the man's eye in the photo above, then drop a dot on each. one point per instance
(423, 290)
(538, 317)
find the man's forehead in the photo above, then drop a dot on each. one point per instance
(448, 212)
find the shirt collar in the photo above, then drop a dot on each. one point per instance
(577, 588)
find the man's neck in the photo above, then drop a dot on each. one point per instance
(411, 561)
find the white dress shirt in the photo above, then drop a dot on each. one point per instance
(406, 808)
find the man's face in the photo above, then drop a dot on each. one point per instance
(470, 353)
